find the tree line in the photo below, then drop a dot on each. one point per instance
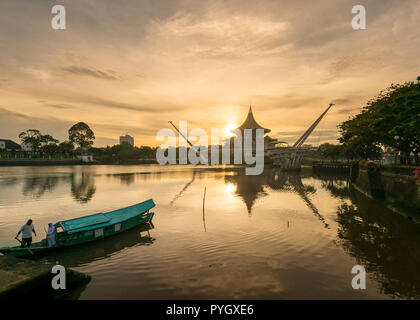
(80, 141)
(80, 135)
(391, 120)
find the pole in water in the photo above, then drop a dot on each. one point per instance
(204, 216)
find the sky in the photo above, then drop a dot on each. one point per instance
(131, 66)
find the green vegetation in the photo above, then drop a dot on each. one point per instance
(123, 153)
(389, 120)
(38, 141)
(82, 135)
(44, 146)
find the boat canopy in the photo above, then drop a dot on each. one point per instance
(100, 220)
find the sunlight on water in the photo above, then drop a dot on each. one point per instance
(277, 235)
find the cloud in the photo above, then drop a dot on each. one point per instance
(15, 122)
(288, 101)
(219, 34)
(107, 103)
(317, 137)
(12, 123)
(90, 71)
(348, 110)
(136, 65)
(60, 106)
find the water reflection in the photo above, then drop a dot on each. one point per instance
(125, 178)
(250, 188)
(336, 183)
(365, 229)
(386, 244)
(36, 187)
(83, 186)
(187, 185)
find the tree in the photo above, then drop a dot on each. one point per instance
(49, 144)
(81, 135)
(32, 137)
(390, 119)
(396, 118)
(358, 139)
(66, 147)
(331, 151)
(39, 142)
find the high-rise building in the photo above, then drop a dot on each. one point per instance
(127, 139)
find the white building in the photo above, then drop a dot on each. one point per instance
(26, 146)
(128, 139)
(85, 158)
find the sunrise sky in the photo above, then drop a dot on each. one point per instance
(130, 66)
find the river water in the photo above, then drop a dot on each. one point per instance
(273, 236)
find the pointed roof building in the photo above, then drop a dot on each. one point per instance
(251, 123)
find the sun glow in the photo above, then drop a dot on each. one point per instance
(228, 130)
(230, 188)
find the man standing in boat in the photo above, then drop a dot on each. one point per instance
(26, 231)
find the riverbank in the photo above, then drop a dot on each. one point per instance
(39, 162)
(66, 162)
(400, 192)
(22, 279)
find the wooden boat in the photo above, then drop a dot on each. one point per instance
(89, 228)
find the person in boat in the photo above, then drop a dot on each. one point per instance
(51, 235)
(26, 231)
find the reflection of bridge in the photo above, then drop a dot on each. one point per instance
(291, 157)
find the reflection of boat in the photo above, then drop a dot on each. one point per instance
(89, 228)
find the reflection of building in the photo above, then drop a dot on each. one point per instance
(250, 188)
(127, 139)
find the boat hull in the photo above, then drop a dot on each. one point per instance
(65, 239)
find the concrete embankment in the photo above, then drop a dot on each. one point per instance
(401, 193)
(23, 279)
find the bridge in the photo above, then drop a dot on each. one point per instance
(283, 156)
(290, 157)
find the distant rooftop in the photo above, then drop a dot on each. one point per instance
(11, 144)
(251, 123)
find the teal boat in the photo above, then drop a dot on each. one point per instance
(89, 228)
